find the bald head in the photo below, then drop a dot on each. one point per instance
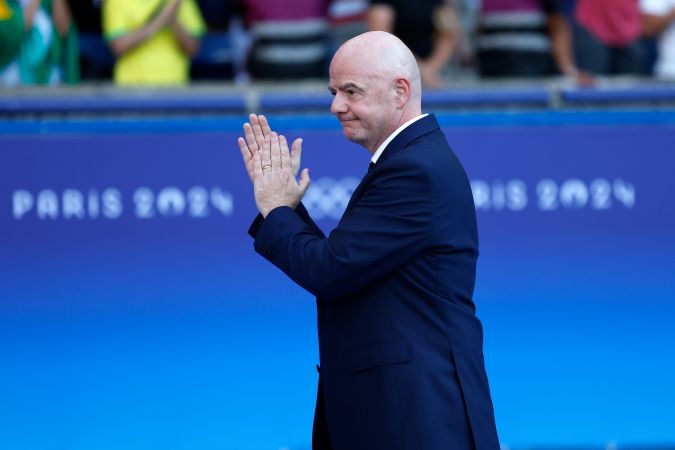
(376, 83)
(383, 55)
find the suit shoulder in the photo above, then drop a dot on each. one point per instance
(407, 163)
(431, 151)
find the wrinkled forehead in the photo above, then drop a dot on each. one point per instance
(351, 67)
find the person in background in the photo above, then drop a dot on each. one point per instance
(607, 37)
(524, 38)
(289, 38)
(153, 40)
(430, 29)
(347, 19)
(658, 19)
(65, 50)
(11, 33)
(48, 50)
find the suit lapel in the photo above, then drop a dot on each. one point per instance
(365, 181)
(417, 129)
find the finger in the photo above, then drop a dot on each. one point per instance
(275, 152)
(264, 125)
(257, 165)
(296, 153)
(247, 156)
(303, 184)
(265, 156)
(245, 152)
(250, 138)
(257, 130)
(285, 156)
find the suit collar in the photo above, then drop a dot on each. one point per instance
(393, 135)
(420, 127)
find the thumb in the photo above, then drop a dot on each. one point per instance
(303, 184)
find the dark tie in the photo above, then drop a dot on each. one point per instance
(370, 166)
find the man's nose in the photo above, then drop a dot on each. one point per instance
(338, 105)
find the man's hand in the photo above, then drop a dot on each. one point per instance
(255, 133)
(274, 182)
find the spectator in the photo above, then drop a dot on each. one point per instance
(48, 50)
(348, 19)
(96, 60)
(65, 50)
(607, 37)
(290, 38)
(11, 33)
(153, 40)
(468, 12)
(524, 38)
(659, 20)
(428, 27)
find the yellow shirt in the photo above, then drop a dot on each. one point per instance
(159, 60)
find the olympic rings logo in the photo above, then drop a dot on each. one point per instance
(328, 197)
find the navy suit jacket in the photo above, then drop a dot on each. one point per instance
(400, 345)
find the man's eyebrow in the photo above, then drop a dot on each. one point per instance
(347, 85)
(351, 85)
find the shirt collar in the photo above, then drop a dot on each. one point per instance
(391, 137)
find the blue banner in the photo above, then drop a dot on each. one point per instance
(134, 312)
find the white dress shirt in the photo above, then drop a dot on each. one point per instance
(391, 137)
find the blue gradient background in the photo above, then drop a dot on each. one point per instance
(171, 333)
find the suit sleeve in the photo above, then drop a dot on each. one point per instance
(300, 210)
(390, 223)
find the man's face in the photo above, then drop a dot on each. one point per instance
(363, 102)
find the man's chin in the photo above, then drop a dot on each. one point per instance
(349, 131)
(350, 135)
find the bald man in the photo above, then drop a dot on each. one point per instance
(400, 345)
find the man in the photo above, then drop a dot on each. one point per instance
(400, 346)
(430, 28)
(525, 38)
(153, 40)
(289, 38)
(607, 37)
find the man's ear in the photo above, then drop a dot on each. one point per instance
(402, 88)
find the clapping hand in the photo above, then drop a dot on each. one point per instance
(271, 167)
(255, 133)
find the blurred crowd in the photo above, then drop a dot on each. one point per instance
(172, 42)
